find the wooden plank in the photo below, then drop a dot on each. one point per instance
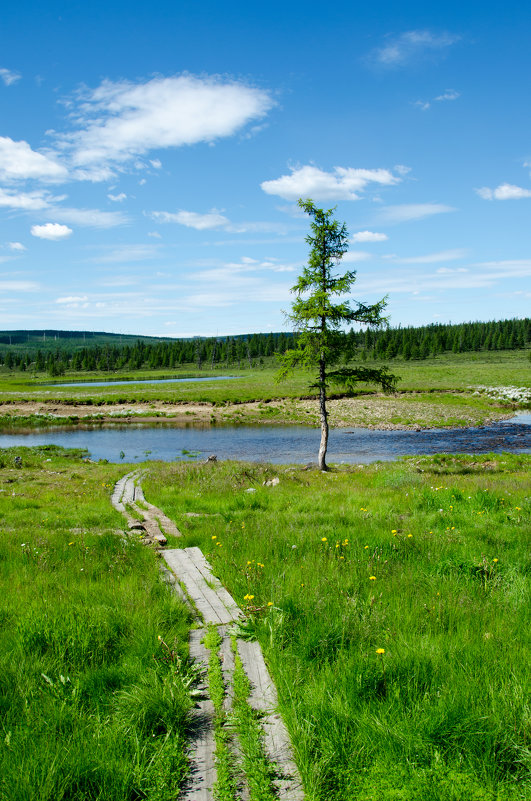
(190, 570)
(200, 594)
(170, 579)
(227, 660)
(263, 697)
(198, 558)
(202, 776)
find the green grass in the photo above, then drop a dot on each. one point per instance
(442, 713)
(431, 393)
(91, 705)
(447, 372)
(426, 558)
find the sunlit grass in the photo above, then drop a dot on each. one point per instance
(393, 603)
(91, 707)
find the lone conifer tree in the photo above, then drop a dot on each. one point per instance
(318, 320)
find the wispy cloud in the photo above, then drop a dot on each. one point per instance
(117, 198)
(118, 122)
(19, 162)
(449, 95)
(432, 258)
(191, 219)
(25, 201)
(407, 212)
(16, 246)
(503, 192)
(91, 218)
(128, 253)
(19, 286)
(8, 76)
(343, 183)
(52, 231)
(368, 236)
(411, 46)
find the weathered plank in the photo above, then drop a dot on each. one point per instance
(199, 592)
(202, 776)
(198, 558)
(263, 697)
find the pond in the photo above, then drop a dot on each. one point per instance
(141, 381)
(279, 444)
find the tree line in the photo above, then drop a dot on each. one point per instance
(255, 350)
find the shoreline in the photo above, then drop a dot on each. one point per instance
(377, 412)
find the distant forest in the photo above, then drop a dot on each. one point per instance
(59, 352)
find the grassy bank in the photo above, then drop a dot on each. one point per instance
(430, 393)
(398, 631)
(92, 704)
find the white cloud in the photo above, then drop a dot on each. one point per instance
(411, 46)
(117, 198)
(52, 231)
(450, 94)
(121, 121)
(129, 253)
(8, 76)
(154, 234)
(92, 218)
(424, 105)
(509, 268)
(27, 201)
(19, 162)
(18, 246)
(72, 299)
(402, 169)
(356, 255)
(503, 192)
(369, 236)
(411, 211)
(191, 219)
(342, 184)
(433, 258)
(19, 286)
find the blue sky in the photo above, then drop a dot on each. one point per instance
(151, 159)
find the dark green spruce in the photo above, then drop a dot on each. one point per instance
(319, 316)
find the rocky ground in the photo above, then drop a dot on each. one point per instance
(369, 411)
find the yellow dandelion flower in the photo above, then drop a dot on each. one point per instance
(214, 537)
(410, 535)
(393, 531)
(365, 547)
(380, 651)
(494, 560)
(372, 578)
(70, 543)
(323, 539)
(270, 603)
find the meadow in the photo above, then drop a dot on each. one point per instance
(92, 703)
(398, 630)
(391, 600)
(432, 392)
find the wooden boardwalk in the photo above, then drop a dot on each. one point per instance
(189, 573)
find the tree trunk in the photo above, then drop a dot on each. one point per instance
(324, 416)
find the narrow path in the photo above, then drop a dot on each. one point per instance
(191, 576)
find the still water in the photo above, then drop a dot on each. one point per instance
(142, 381)
(279, 444)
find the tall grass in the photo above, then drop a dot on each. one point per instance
(91, 705)
(398, 630)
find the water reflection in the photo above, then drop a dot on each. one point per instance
(279, 444)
